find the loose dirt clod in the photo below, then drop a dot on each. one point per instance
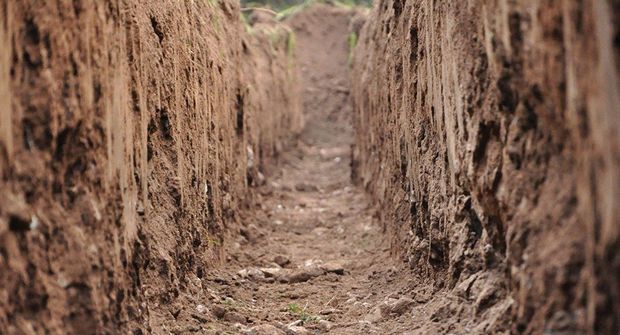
(281, 260)
(335, 266)
(235, 317)
(265, 330)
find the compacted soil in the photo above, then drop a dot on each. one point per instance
(311, 256)
(314, 253)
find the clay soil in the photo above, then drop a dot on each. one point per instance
(298, 233)
(312, 257)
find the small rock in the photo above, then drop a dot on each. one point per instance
(401, 305)
(260, 178)
(221, 280)
(312, 262)
(251, 273)
(265, 330)
(213, 295)
(393, 295)
(325, 325)
(298, 330)
(235, 317)
(319, 231)
(294, 323)
(336, 267)
(62, 281)
(331, 153)
(201, 308)
(250, 233)
(140, 209)
(375, 315)
(250, 156)
(34, 222)
(303, 275)
(328, 311)
(218, 311)
(303, 187)
(351, 300)
(271, 272)
(200, 318)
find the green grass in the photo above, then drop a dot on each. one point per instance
(248, 27)
(301, 314)
(352, 40)
(294, 9)
(212, 242)
(290, 11)
(290, 45)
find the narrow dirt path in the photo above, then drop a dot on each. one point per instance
(310, 259)
(313, 260)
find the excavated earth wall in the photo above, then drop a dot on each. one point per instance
(130, 132)
(488, 130)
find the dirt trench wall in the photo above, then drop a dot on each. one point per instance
(129, 133)
(272, 89)
(489, 132)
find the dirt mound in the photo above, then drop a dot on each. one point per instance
(489, 133)
(129, 134)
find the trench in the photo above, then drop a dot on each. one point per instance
(209, 167)
(312, 256)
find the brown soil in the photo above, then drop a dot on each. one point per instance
(323, 62)
(480, 129)
(158, 176)
(130, 132)
(312, 256)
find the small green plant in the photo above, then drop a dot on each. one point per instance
(290, 52)
(290, 44)
(274, 36)
(246, 23)
(210, 240)
(287, 11)
(292, 10)
(293, 308)
(352, 40)
(301, 314)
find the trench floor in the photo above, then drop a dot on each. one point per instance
(311, 259)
